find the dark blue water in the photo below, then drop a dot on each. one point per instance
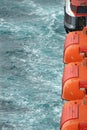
(31, 51)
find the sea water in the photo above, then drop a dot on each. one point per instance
(31, 64)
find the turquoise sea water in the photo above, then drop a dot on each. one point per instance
(31, 54)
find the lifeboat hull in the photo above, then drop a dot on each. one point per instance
(74, 82)
(75, 47)
(74, 115)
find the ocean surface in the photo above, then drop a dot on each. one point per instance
(31, 54)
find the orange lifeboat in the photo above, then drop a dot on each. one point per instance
(74, 82)
(74, 115)
(75, 47)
